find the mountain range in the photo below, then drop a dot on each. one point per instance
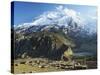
(62, 21)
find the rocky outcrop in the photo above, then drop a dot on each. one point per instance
(41, 44)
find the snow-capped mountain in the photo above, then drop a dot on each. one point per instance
(60, 18)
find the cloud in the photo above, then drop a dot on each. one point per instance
(94, 17)
(60, 7)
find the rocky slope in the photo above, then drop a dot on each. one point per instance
(41, 44)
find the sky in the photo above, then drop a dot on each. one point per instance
(25, 12)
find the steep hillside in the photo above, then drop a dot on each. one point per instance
(41, 44)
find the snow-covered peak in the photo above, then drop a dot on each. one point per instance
(60, 16)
